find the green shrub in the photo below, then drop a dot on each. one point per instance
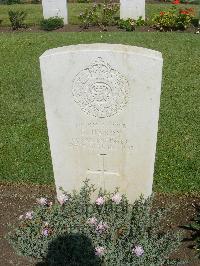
(52, 23)
(165, 20)
(195, 22)
(11, 2)
(35, 1)
(182, 1)
(184, 18)
(109, 231)
(173, 19)
(130, 24)
(83, 1)
(127, 24)
(101, 14)
(17, 19)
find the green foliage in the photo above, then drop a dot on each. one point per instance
(130, 24)
(173, 19)
(102, 15)
(62, 233)
(165, 20)
(52, 23)
(190, 1)
(83, 1)
(127, 24)
(195, 228)
(17, 19)
(140, 22)
(35, 1)
(11, 2)
(182, 1)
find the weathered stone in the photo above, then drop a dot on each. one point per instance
(102, 109)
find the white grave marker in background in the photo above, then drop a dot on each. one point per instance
(102, 109)
(55, 8)
(132, 9)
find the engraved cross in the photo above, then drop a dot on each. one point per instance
(102, 172)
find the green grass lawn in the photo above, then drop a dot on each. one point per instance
(24, 148)
(34, 12)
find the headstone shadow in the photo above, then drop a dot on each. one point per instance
(71, 250)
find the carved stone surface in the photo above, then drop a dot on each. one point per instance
(102, 109)
(100, 90)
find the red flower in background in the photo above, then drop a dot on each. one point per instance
(184, 12)
(187, 11)
(176, 2)
(162, 13)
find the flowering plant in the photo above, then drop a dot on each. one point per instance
(185, 17)
(101, 14)
(176, 2)
(130, 24)
(108, 231)
(173, 19)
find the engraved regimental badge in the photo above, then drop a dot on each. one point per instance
(100, 90)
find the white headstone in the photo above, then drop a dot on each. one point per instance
(55, 8)
(132, 9)
(102, 109)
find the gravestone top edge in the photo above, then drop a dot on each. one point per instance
(103, 47)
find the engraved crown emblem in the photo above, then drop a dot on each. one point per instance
(100, 90)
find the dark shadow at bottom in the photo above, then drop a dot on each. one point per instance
(71, 250)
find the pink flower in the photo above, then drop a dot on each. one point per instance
(45, 232)
(92, 221)
(102, 227)
(117, 198)
(138, 251)
(29, 215)
(99, 251)
(42, 201)
(100, 201)
(63, 199)
(21, 217)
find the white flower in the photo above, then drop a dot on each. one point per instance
(100, 201)
(99, 251)
(92, 221)
(29, 215)
(117, 198)
(102, 227)
(42, 201)
(138, 251)
(21, 217)
(63, 199)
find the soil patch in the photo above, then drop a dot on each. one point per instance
(77, 28)
(17, 199)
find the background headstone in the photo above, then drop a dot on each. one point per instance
(132, 9)
(102, 109)
(55, 8)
